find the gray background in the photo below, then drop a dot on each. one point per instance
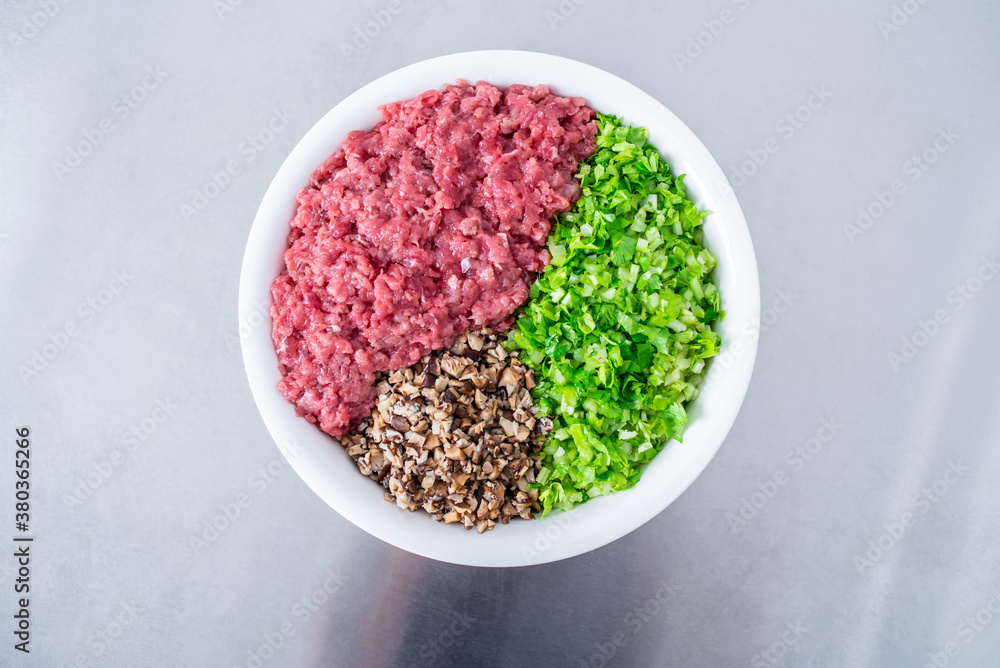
(849, 558)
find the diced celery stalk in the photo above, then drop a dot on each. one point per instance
(613, 343)
(696, 286)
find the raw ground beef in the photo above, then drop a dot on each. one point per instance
(432, 222)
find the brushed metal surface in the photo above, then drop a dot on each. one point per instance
(850, 518)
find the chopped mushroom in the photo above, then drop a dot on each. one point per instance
(456, 435)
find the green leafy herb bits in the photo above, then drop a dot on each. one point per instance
(618, 327)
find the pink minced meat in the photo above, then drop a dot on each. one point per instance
(433, 222)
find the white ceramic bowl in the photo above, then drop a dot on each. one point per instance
(325, 466)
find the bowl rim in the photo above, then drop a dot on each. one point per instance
(318, 460)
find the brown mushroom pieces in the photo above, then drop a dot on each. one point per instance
(455, 435)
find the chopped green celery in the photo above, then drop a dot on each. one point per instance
(618, 329)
